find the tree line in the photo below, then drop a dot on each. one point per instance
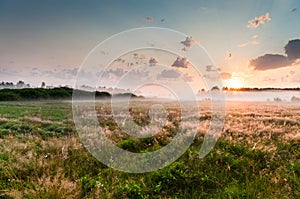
(62, 93)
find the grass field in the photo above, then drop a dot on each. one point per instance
(257, 156)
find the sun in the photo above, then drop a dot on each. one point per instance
(236, 82)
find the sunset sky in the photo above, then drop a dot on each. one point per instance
(253, 43)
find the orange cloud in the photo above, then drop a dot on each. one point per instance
(254, 23)
(226, 76)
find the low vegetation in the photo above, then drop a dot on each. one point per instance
(257, 156)
(59, 93)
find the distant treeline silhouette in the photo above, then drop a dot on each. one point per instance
(62, 93)
(261, 89)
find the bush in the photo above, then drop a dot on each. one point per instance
(29, 93)
(6, 95)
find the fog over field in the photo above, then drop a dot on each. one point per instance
(260, 96)
(149, 99)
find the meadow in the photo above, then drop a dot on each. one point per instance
(257, 156)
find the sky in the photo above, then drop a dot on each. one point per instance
(253, 43)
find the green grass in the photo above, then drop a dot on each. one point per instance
(44, 158)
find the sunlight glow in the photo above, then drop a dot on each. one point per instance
(236, 82)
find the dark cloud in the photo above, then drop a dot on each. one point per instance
(120, 60)
(226, 75)
(172, 74)
(211, 68)
(152, 61)
(254, 23)
(292, 49)
(272, 61)
(187, 43)
(181, 62)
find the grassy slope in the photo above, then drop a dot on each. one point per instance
(42, 157)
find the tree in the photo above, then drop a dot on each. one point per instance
(225, 88)
(20, 84)
(9, 85)
(215, 88)
(43, 85)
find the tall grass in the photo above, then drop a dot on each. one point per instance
(258, 155)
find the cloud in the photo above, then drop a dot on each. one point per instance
(188, 77)
(269, 79)
(149, 19)
(187, 43)
(293, 10)
(226, 76)
(169, 74)
(57, 73)
(284, 79)
(213, 78)
(152, 61)
(292, 49)
(292, 72)
(119, 72)
(143, 56)
(72, 72)
(228, 56)
(120, 60)
(243, 45)
(254, 23)
(272, 61)
(112, 76)
(181, 62)
(294, 77)
(254, 42)
(211, 68)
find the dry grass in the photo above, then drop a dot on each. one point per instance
(257, 156)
